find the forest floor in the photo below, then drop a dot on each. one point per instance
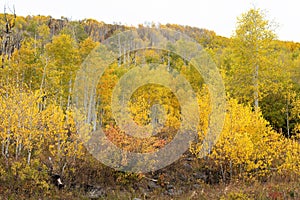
(270, 190)
(184, 179)
(187, 178)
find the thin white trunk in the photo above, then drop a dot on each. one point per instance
(44, 75)
(120, 51)
(58, 145)
(3, 148)
(91, 103)
(169, 61)
(287, 117)
(69, 95)
(29, 157)
(17, 149)
(256, 89)
(124, 55)
(7, 144)
(29, 149)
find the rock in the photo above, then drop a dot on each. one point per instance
(174, 192)
(96, 193)
(183, 177)
(168, 187)
(179, 192)
(201, 176)
(188, 167)
(137, 199)
(171, 192)
(189, 158)
(152, 185)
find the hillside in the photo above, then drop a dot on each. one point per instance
(61, 81)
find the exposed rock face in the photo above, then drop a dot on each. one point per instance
(96, 192)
